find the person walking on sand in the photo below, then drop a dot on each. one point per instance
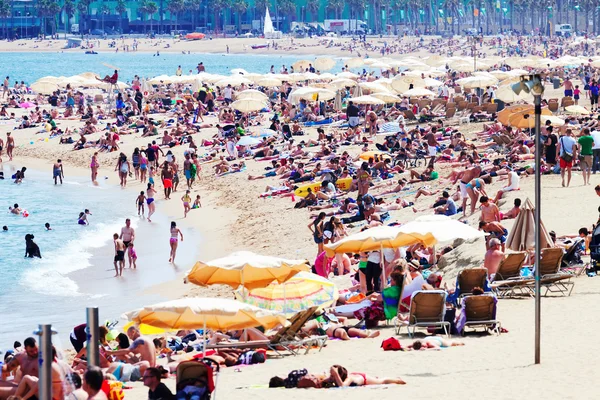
(140, 200)
(94, 165)
(128, 236)
(10, 145)
(585, 149)
(119, 255)
(566, 149)
(58, 171)
(186, 199)
(150, 192)
(1, 147)
(187, 170)
(5, 87)
(166, 176)
(173, 242)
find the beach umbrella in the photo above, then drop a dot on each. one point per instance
(239, 71)
(500, 74)
(309, 76)
(526, 119)
(301, 65)
(357, 91)
(354, 62)
(266, 132)
(517, 62)
(146, 329)
(418, 92)
(433, 83)
(508, 111)
(195, 36)
(324, 63)
(372, 239)
(373, 87)
(577, 109)
(303, 291)
(342, 83)
(347, 74)
(326, 76)
(403, 83)
(245, 269)
(554, 120)
(380, 65)
(88, 75)
(251, 94)
(269, 82)
(369, 61)
(312, 94)
(443, 228)
(436, 61)
(248, 141)
(388, 98)
(367, 100)
(195, 313)
(473, 82)
(507, 95)
(44, 87)
(248, 105)
(522, 234)
(234, 80)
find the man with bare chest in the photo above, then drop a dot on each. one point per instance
(28, 362)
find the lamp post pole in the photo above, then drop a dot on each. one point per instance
(538, 234)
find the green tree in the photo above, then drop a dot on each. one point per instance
(69, 10)
(83, 7)
(48, 9)
(357, 9)
(151, 8)
(5, 13)
(337, 6)
(192, 7)
(287, 8)
(103, 10)
(218, 6)
(313, 7)
(239, 7)
(175, 7)
(121, 9)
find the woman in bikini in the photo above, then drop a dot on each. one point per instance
(186, 199)
(150, 192)
(340, 377)
(476, 188)
(143, 167)
(173, 241)
(123, 167)
(94, 165)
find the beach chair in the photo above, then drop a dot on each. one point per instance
(198, 372)
(491, 108)
(427, 310)
(507, 281)
(450, 112)
(553, 107)
(553, 280)
(409, 116)
(469, 279)
(479, 312)
(462, 105)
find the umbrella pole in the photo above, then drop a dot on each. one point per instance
(538, 231)
(204, 338)
(381, 260)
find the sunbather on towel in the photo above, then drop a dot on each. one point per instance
(340, 377)
(338, 331)
(433, 342)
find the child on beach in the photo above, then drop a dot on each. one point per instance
(140, 200)
(186, 199)
(151, 176)
(197, 203)
(576, 94)
(82, 219)
(47, 225)
(132, 254)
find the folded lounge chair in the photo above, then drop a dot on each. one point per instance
(427, 310)
(478, 311)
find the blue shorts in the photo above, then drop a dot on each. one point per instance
(188, 174)
(271, 173)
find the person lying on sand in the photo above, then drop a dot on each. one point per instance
(433, 343)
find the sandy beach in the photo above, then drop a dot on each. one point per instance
(233, 217)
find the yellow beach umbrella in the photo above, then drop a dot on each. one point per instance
(324, 63)
(301, 292)
(44, 87)
(245, 269)
(388, 98)
(213, 313)
(526, 118)
(508, 111)
(146, 329)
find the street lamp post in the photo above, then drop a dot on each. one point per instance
(535, 86)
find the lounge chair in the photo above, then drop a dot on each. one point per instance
(508, 281)
(552, 279)
(427, 310)
(478, 311)
(470, 278)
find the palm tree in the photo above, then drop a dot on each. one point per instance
(217, 6)
(83, 9)
(336, 6)
(287, 8)
(151, 8)
(192, 7)
(260, 6)
(356, 8)
(175, 7)
(240, 7)
(313, 7)
(5, 12)
(47, 8)
(103, 10)
(120, 9)
(69, 10)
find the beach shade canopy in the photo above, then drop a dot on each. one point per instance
(522, 235)
(342, 83)
(418, 92)
(239, 71)
(301, 66)
(387, 237)
(248, 105)
(312, 94)
(269, 82)
(251, 94)
(246, 269)
(443, 228)
(213, 313)
(324, 63)
(480, 81)
(354, 62)
(506, 94)
(386, 97)
(299, 293)
(526, 118)
(554, 120)
(195, 36)
(347, 75)
(248, 141)
(504, 115)
(233, 80)
(577, 109)
(44, 87)
(367, 100)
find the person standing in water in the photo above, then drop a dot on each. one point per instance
(119, 255)
(123, 167)
(173, 241)
(94, 165)
(58, 171)
(128, 236)
(140, 203)
(150, 192)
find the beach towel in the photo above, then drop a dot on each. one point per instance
(233, 172)
(323, 122)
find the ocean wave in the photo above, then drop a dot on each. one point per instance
(49, 276)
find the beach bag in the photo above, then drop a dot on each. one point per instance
(391, 344)
(567, 156)
(294, 377)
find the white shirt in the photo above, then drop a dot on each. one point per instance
(374, 257)
(227, 92)
(596, 136)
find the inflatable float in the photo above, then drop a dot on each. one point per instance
(342, 184)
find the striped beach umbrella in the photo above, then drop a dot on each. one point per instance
(301, 292)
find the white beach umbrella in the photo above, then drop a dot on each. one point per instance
(326, 76)
(477, 82)
(354, 62)
(403, 83)
(324, 63)
(387, 97)
(347, 74)
(369, 61)
(342, 83)
(577, 109)
(312, 93)
(506, 94)
(44, 87)
(248, 105)
(373, 87)
(239, 71)
(443, 228)
(251, 94)
(419, 92)
(430, 82)
(269, 82)
(367, 100)
(234, 80)
(380, 65)
(248, 141)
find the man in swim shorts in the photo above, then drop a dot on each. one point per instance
(119, 255)
(167, 178)
(127, 236)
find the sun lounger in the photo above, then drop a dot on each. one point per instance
(507, 281)
(478, 312)
(553, 280)
(427, 310)
(469, 279)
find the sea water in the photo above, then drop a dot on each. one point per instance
(29, 67)
(76, 268)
